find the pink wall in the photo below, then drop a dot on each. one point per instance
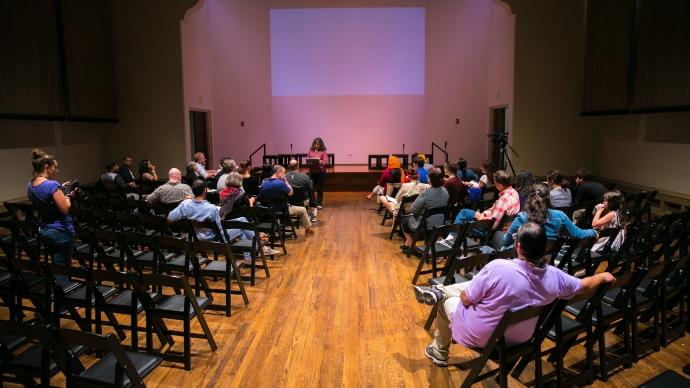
(468, 53)
(196, 64)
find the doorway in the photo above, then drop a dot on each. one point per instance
(498, 136)
(198, 125)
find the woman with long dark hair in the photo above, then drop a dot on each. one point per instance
(537, 210)
(317, 172)
(147, 171)
(56, 226)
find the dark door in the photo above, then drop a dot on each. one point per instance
(498, 137)
(198, 124)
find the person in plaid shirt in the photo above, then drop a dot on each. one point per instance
(508, 203)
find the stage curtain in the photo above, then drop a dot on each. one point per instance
(29, 66)
(663, 57)
(89, 58)
(609, 29)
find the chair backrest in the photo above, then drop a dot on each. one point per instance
(217, 249)
(107, 344)
(426, 215)
(406, 203)
(208, 225)
(299, 195)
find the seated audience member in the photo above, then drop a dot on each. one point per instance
(465, 174)
(560, 196)
(190, 173)
(201, 171)
(610, 214)
(297, 178)
(173, 191)
(486, 181)
(418, 161)
(469, 312)
(523, 184)
(537, 210)
(233, 196)
(507, 204)
(113, 181)
(125, 169)
(250, 182)
(387, 176)
(147, 171)
(587, 189)
(199, 209)
(227, 166)
(456, 190)
(413, 187)
(436, 196)
(274, 193)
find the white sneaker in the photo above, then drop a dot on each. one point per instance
(268, 251)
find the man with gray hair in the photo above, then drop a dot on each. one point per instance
(201, 171)
(172, 191)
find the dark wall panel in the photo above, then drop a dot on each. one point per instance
(609, 30)
(663, 56)
(89, 58)
(29, 65)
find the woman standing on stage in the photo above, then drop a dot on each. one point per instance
(318, 171)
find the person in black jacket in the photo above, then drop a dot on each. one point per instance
(126, 169)
(587, 189)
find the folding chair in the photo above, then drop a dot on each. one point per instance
(225, 269)
(435, 248)
(181, 307)
(115, 368)
(507, 355)
(405, 205)
(617, 313)
(267, 222)
(424, 229)
(452, 276)
(251, 246)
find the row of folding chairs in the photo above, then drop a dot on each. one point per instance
(37, 351)
(647, 306)
(58, 292)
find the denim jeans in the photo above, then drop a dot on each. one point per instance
(464, 215)
(60, 244)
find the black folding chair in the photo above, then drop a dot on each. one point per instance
(115, 367)
(216, 268)
(251, 246)
(506, 355)
(453, 275)
(184, 307)
(435, 247)
(403, 210)
(424, 228)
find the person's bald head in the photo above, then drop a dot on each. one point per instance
(174, 175)
(292, 165)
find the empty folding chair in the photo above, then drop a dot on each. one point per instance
(180, 307)
(436, 247)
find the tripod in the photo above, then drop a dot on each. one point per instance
(501, 138)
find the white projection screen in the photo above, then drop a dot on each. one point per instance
(353, 76)
(347, 51)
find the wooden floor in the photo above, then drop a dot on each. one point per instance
(339, 311)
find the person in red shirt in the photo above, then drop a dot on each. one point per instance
(317, 173)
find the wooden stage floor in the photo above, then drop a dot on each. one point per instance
(339, 311)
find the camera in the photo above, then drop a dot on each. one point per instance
(70, 187)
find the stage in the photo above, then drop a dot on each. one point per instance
(350, 177)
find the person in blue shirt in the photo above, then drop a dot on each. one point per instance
(419, 160)
(199, 209)
(464, 173)
(537, 210)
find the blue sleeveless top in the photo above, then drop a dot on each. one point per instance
(42, 197)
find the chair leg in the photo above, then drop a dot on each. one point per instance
(432, 317)
(227, 294)
(187, 344)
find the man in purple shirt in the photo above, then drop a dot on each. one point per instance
(471, 311)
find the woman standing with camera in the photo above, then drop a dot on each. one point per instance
(56, 227)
